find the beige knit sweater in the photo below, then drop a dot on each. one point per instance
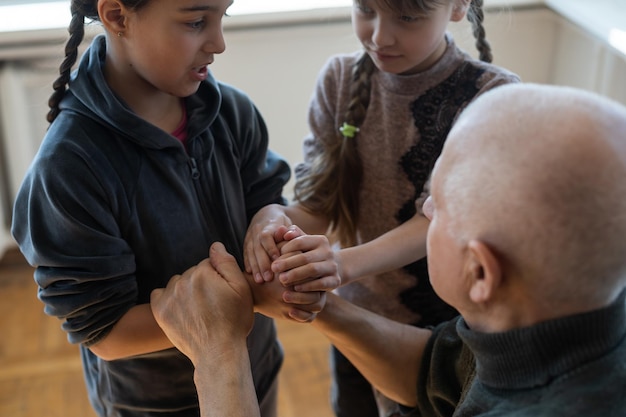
(407, 121)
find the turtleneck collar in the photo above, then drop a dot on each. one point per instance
(418, 83)
(533, 356)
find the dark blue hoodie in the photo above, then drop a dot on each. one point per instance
(113, 206)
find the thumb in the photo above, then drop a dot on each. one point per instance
(223, 262)
(156, 300)
(155, 295)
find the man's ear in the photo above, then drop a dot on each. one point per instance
(484, 271)
(459, 10)
(113, 16)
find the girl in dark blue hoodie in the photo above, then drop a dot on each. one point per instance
(148, 160)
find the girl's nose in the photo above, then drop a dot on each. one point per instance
(382, 34)
(215, 43)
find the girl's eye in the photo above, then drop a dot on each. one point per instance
(364, 9)
(411, 19)
(198, 24)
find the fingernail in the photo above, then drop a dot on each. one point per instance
(268, 275)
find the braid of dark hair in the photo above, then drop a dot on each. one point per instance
(80, 10)
(477, 16)
(331, 185)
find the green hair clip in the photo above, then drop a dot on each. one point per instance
(348, 131)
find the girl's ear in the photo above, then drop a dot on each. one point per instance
(459, 10)
(484, 271)
(112, 15)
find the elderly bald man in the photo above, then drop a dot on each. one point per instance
(528, 219)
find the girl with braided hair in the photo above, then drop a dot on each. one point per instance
(147, 161)
(378, 120)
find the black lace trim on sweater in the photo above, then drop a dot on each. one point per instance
(434, 114)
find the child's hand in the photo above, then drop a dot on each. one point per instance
(307, 262)
(274, 300)
(261, 242)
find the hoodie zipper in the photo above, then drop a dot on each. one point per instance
(203, 203)
(195, 172)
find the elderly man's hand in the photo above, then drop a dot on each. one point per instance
(210, 304)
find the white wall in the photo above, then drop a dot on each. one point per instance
(582, 61)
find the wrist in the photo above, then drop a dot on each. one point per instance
(342, 258)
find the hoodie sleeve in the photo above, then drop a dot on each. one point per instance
(64, 224)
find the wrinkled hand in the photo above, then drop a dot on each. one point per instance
(307, 262)
(261, 241)
(206, 307)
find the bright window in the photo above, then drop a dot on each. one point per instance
(18, 15)
(268, 6)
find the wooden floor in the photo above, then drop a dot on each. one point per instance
(41, 376)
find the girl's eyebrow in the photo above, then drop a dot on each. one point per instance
(201, 8)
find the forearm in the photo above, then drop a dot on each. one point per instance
(396, 248)
(224, 383)
(387, 353)
(137, 332)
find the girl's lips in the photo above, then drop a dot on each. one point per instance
(200, 73)
(383, 56)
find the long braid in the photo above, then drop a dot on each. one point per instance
(477, 16)
(80, 10)
(332, 183)
(77, 32)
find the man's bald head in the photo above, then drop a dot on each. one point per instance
(539, 174)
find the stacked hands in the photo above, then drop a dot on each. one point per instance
(290, 272)
(303, 270)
